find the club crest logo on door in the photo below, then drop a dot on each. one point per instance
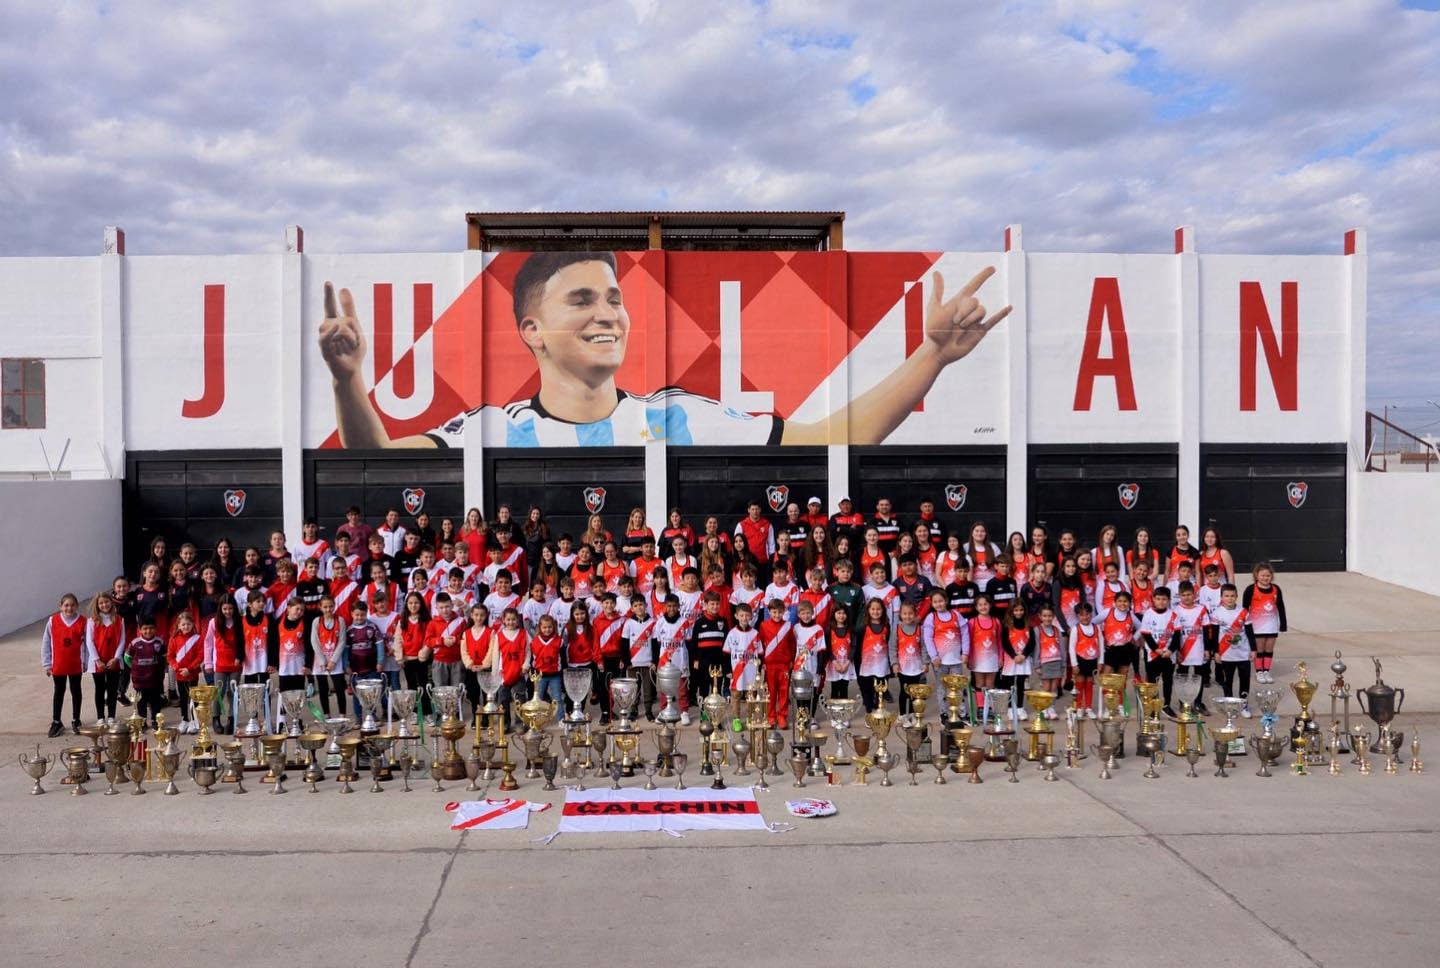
(955, 495)
(1296, 492)
(777, 495)
(594, 499)
(414, 499)
(1129, 496)
(234, 502)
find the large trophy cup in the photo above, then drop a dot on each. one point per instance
(880, 721)
(1112, 703)
(957, 689)
(251, 697)
(370, 693)
(1229, 707)
(1039, 734)
(292, 701)
(577, 690)
(1305, 726)
(997, 723)
(36, 767)
(402, 706)
(1188, 723)
(1340, 696)
(202, 698)
(1268, 745)
(667, 683)
(117, 756)
(624, 735)
(535, 742)
(1382, 703)
(447, 699)
(841, 712)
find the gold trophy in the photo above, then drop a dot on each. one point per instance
(535, 743)
(1416, 766)
(1313, 747)
(1039, 734)
(1335, 748)
(1150, 705)
(202, 697)
(957, 688)
(1112, 697)
(880, 722)
(960, 744)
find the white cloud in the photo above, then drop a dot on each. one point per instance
(1100, 125)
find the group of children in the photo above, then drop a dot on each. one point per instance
(419, 608)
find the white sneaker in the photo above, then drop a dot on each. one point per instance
(1089, 713)
(685, 718)
(1024, 714)
(1245, 711)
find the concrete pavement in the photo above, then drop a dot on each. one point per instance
(1314, 870)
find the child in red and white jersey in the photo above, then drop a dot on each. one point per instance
(811, 644)
(986, 635)
(327, 643)
(1087, 652)
(310, 545)
(502, 597)
(742, 645)
(186, 654)
(877, 647)
(224, 659)
(911, 662)
(1016, 659)
(783, 589)
(1265, 605)
(879, 589)
(1107, 550)
(947, 635)
(546, 651)
(1208, 593)
(672, 635)
(637, 639)
(1070, 591)
(1107, 588)
(475, 649)
(1051, 651)
(64, 655)
(840, 670)
(817, 596)
(1141, 587)
(1232, 645)
(105, 645)
(777, 639)
(1195, 632)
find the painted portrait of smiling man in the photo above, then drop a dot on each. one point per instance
(570, 313)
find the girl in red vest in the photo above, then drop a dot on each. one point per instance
(1142, 550)
(986, 633)
(63, 655)
(106, 642)
(186, 653)
(1087, 653)
(1265, 605)
(410, 649)
(475, 650)
(545, 648)
(224, 657)
(510, 647)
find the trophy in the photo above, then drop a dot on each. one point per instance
(577, 690)
(1416, 764)
(680, 761)
(234, 771)
(914, 733)
(402, 707)
(957, 688)
(292, 701)
(668, 684)
(1151, 744)
(534, 742)
(940, 761)
(665, 739)
(997, 722)
(1382, 703)
(379, 746)
(369, 693)
(1112, 698)
(740, 743)
(270, 745)
(96, 735)
(623, 692)
(1223, 736)
(1039, 734)
(974, 756)
(707, 731)
(490, 684)
(886, 761)
(1112, 736)
(312, 743)
(774, 746)
(349, 755)
(36, 767)
(1335, 748)
(202, 770)
(840, 713)
(252, 703)
(1150, 704)
(1012, 758)
(472, 772)
(802, 692)
(170, 758)
(598, 741)
(1230, 707)
(1269, 747)
(1340, 695)
(717, 759)
(117, 756)
(1305, 724)
(138, 753)
(800, 762)
(880, 721)
(1106, 752)
(77, 768)
(202, 699)
(1360, 743)
(1187, 732)
(1048, 762)
(447, 699)
(1300, 746)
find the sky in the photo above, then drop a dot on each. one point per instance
(1271, 127)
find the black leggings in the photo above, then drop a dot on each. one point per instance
(417, 677)
(905, 703)
(57, 701)
(183, 688)
(1162, 669)
(324, 684)
(1225, 672)
(152, 700)
(839, 688)
(870, 690)
(107, 692)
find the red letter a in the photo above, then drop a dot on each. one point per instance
(1105, 310)
(1283, 360)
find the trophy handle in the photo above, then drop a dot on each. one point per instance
(1360, 696)
(1399, 700)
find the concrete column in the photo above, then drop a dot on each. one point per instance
(472, 264)
(292, 341)
(1188, 279)
(1017, 336)
(657, 464)
(111, 439)
(837, 392)
(1357, 271)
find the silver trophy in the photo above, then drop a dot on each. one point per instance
(446, 699)
(490, 684)
(402, 704)
(667, 683)
(623, 693)
(1267, 698)
(370, 693)
(1229, 707)
(841, 712)
(577, 690)
(252, 707)
(292, 701)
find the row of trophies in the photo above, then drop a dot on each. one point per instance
(385, 743)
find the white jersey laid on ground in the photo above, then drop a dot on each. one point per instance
(670, 414)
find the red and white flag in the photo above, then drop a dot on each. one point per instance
(605, 810)
(493, 814)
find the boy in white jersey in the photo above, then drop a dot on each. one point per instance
(782, 588)
(637, 639)
(1208, 594)
(535, 608)
(1232, 645)
(501, 598)
(879, 587)
(1196, 648)
(1157, 635)
(560, 608)
(810, 644)
(742, 644)
(671, 634)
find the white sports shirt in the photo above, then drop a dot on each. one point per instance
(670, 414)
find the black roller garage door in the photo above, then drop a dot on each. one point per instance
(200, 497)
(568, 485)
(1130, 487)
(408, 480)
(967, 484)
(1285, 503)
(723, 481)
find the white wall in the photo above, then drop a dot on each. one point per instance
(1397, 521)
(79, 521)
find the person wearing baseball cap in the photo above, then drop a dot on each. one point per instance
(815, 514)
(847, 521)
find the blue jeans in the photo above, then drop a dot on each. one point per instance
(553, 687)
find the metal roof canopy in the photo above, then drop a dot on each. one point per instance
(524, 231)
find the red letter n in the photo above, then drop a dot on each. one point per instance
(1282, 360)
(1105, 310)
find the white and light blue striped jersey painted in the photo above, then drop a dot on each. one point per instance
(671, 414)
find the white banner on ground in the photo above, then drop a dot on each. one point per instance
(600, 811)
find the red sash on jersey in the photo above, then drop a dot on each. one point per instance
(1188, 640)
(642, 640)
(668, 653)
(1162, 640)
(738, 672)
(775, 641)
(803, 650)
(182, 654)
(1231, 630)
